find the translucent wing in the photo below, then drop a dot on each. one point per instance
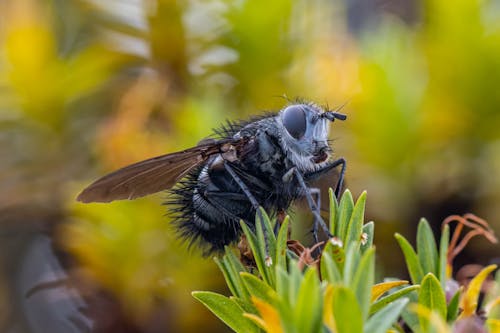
(151, 175)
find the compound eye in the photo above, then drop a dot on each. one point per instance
(294, 120)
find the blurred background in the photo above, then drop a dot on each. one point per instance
(87, 86)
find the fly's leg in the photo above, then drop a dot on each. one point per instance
(312, 205)
(316, 192)
(309, 176)
(254, 203)
(338, 187)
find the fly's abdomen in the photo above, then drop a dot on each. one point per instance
(208, 207)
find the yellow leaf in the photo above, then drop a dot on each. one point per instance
(380, 288)
(328, 319)
(270, 319)
(468, 301)
(493, 325)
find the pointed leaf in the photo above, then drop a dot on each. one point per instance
(392, 297)
(412, 262)
(232, 279)
(258, 288)
(281, 246)
(469, 300)
(226, 310)
(367, 236)
(346, 207)
(380, 288)
(267, 245)
(432, 297)
(355, 226)
(363, 281)
(258, 250)
(426, 248)
(334, 211)
(443, 254)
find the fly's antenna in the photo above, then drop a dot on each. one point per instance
(332, 115)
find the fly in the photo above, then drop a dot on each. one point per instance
(267, 161)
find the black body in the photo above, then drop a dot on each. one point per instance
(209, 203)
(268, 162)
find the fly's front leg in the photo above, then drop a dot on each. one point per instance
(312, 204)
(331, 165)
(255, 205)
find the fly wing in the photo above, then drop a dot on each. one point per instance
(151, 175)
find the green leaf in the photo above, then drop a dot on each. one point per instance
(334, 210)
(355, 226)
(426, 248)
(369, 231)
(295, 279)
(281, 246)
(432, 297)
(283, 284)
(259, 288)
(410, 317)
(329, 269)
(337, 254)
(363, 281)
(346, 207)
(232, 278)
(412, 262)
(379, 304)
(246, 305)
(309, 307)
(346, 311)
(265, 235)
(383, 320)
(452, 312)
(258, 250)
(226, 310)
(351, 263)
(443, 253)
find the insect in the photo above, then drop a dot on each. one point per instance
(267, 161)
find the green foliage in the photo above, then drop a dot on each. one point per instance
(426, 259)
(432, 296)
(291, 294)
(89, 86)
(228, 310)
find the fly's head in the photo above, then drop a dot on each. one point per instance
(304, 132)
